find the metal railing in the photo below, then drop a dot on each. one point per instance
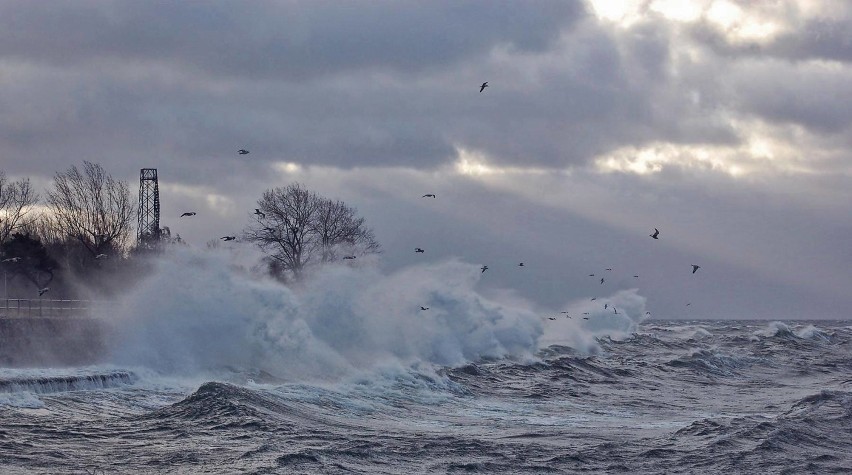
(51, 308)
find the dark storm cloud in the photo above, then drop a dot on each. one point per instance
(280, 40)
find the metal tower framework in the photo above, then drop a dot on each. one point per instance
(148, 226)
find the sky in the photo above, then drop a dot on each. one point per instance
(725, 124)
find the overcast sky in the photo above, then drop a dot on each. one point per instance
(725, 124)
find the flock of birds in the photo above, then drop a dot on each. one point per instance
(418, 250)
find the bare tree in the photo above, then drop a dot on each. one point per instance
(297, 228)
(91, 207)
(16, 202)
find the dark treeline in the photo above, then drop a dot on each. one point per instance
(78, 240)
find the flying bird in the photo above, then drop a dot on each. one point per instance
(521, 264)
(602, 280)
(43, 291)
(228, 238)
(12, 259)
(636, 276)
(191, 213)
(349, 257)
(417, 249)
(430, 195)
(609, 269)
(594, 298)
(484, 268)
(243, 151)
(585, 313)
(549, 318)
(591, 275)
(690, 303)
(606, 305)
(424, 308)
(615, 310)
(647, 313)
(656, 233)
(259, 213)
(695, 268)
(585, 318)
(483, 86)
(101, 256)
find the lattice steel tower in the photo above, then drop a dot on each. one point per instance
(148, 226)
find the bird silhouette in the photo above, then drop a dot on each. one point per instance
(585, 318)
(549, 318)
(349, 257)
(609, 269)
(424, 308)
(606, 305)
(591, 275)
(695, 268)
(12, 259)
(243, 151)
(430, 195)
(228, 238)
(259, 213)
(417, 249)
(521, 264)
(43, 291)
(484, 268)
(101, 256)
(483, 86)
(656, 233)
(636, 276)
(615, 310)
(594, 298)
(190, 213)
(690, 303)
(602, 280)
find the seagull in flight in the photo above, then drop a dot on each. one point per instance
(585, 313)
(12, 259)
(424, 308)
(636, 276)
(656, 233)
(615, 310)
(228, 238)
(429, 195)
(417, 249)
(43, 291)
(101, 256)
(647, 313)
(594, 298)
(602, 280)
(483, 86)
(484, 268)
(190, 213)
(243, 151)
(695, 268)
(585, 318)
(690, 303)
(259, 213)
(521, 264)
(349, 257)
(551, 318)
(606, 305)
(591, 275)
(609, 269)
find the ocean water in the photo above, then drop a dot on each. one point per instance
(673, 397)
(209, 368)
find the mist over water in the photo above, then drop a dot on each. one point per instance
(201, 311)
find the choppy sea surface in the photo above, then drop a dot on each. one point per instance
(674, 397)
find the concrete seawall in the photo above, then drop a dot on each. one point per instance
(66, 341)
